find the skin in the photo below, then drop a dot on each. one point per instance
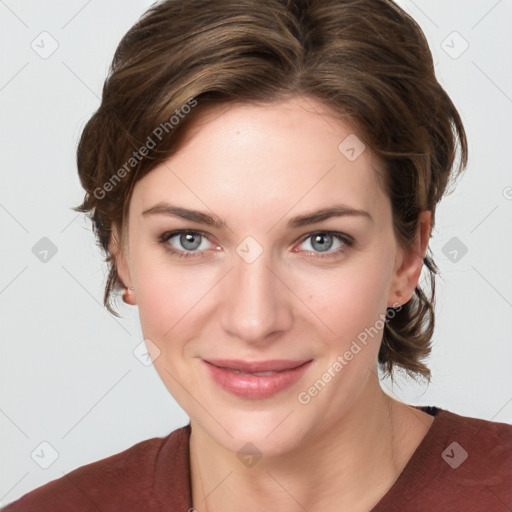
(256, 167)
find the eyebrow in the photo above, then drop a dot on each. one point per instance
(339, 210)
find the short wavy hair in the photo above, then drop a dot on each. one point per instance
(367, 60)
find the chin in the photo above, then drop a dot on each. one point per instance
(273, 433)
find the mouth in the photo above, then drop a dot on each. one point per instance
(257, 379)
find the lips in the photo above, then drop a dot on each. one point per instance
(256, 379)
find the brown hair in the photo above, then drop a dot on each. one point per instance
(365, 59)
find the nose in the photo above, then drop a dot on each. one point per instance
(257, 302)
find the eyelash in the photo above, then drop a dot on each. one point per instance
(165, 237)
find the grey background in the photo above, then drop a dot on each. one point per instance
(68, 373)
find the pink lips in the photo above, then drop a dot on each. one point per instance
(238, 377)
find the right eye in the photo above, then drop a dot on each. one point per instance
(190, 242)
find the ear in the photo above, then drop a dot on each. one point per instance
(409, 263)
(117, 250)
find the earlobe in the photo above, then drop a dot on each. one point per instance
(121, 265)
(406, 277)
(128, 296)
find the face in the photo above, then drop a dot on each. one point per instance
(264, 285)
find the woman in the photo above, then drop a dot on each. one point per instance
(263, 178)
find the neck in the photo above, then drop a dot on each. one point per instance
(350, 466)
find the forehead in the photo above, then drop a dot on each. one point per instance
(269, 158)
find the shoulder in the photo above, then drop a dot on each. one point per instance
(476, 460)
(489, 441)
(482, 434)
(463, 463)
(118, 482)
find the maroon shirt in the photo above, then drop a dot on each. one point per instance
(462, 464)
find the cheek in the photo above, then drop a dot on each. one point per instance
(173, 298)
(350, 299)
(166, 300)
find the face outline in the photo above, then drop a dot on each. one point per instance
(256, 167)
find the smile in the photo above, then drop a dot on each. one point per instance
(257, 385)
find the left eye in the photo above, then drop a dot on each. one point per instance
(322, 242)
